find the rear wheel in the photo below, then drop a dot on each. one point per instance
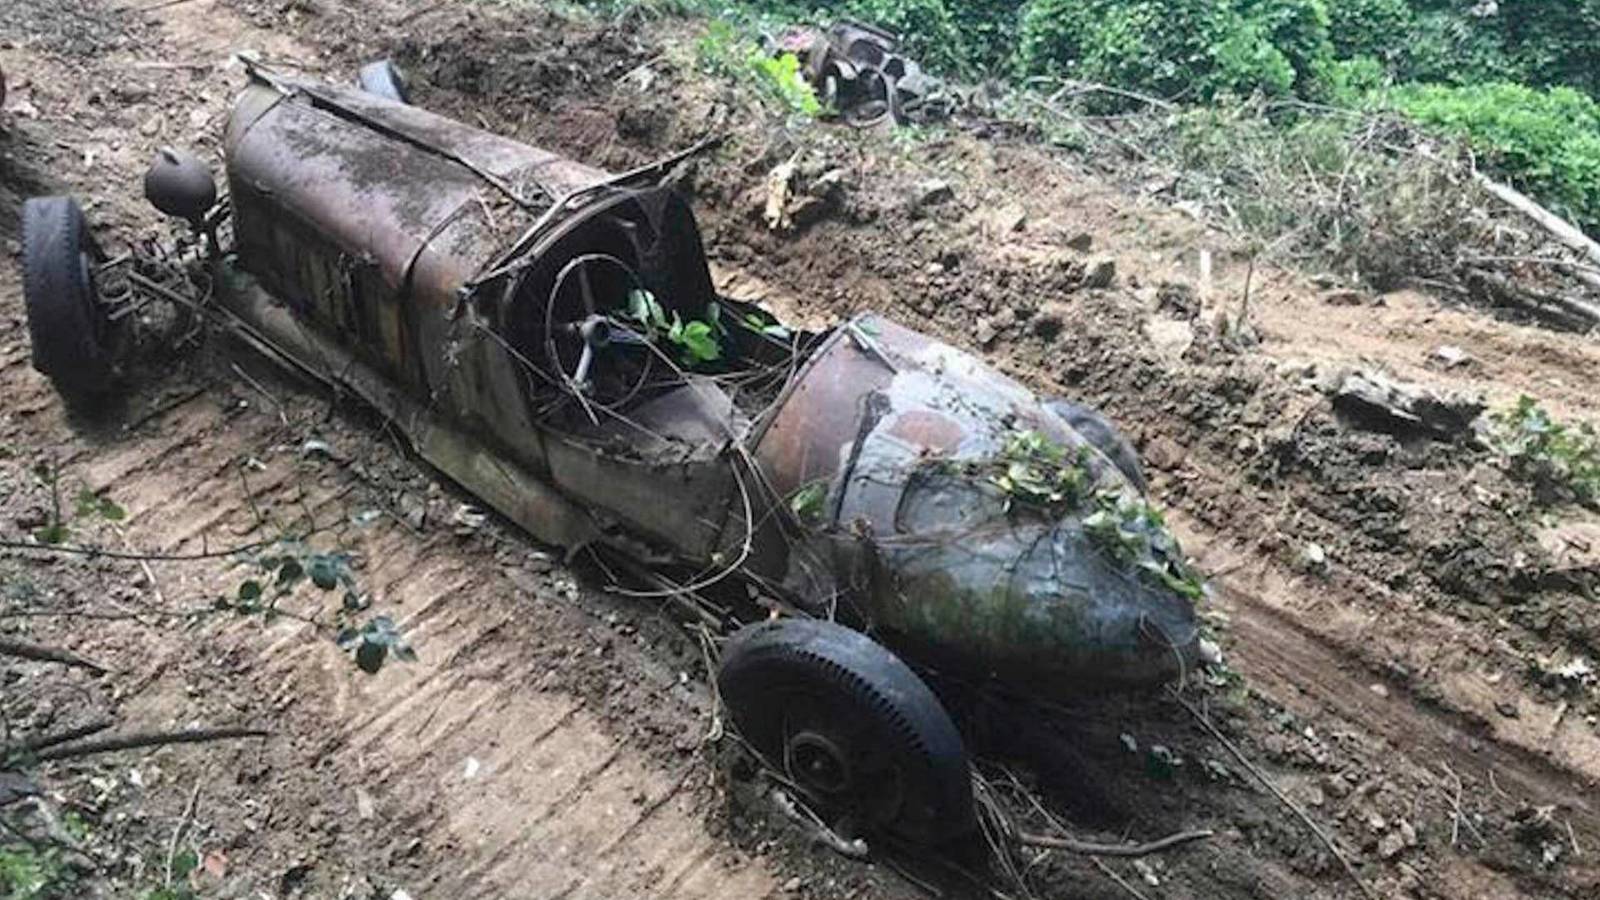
(66, 322)
(851, 725)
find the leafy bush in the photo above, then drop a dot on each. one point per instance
(1376, 29)
(1562, 460)
(724, 50)
(1548, 141)
(1194, 49)
(1349, 83)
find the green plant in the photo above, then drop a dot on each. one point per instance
(284, 566)
(1376, 29)
(374, 642)
(780, 79)
(1560, 459)
(58, 528)
(698, 341)
(808, 502)
(1036, 471)
(1194, 49)
(27, 873)
(1134, 533)
(1546, 141)
(724, 50)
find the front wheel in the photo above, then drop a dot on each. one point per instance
(849, 724)
(1103, 436)
(66, 323)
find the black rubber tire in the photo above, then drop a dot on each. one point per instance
(66, 323)
(1103, 436)
(383, 78)
(785, 679)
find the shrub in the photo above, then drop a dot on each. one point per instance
(1377, 29)
(1298, 29)
(1348, 83)
(1562, 460)
(1195, 49)
(1546, 141)
(963, 37)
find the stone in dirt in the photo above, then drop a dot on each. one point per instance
(1101, 273)
(1376, 402)
(934, 192)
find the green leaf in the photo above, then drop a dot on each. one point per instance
(325, 572)
(370, 655)
(807, 502)
(354, 602)
(698, 343)
(54, 533)
(250, 591)
(184, 863)
(290, 573)
(347, 638)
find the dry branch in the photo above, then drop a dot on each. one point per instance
(41, 653)
(1126, 850)
(1559, 228)
(149, 739)
(61, 737)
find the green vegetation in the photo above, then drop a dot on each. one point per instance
(1134, 533)
(696, 341)
(1561, 460)
(1038, 474)
(726, 50)
(1550, 139)
(1513, 82)
(27, 873)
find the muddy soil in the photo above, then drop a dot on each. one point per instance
(1398, 682)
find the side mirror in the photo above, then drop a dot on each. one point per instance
(180, 185)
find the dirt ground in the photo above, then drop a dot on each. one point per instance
(551, 741)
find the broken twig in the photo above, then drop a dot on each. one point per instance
(41, 653)
(1122, 850)
(150, 739)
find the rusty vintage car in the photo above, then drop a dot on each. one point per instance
(872, 514)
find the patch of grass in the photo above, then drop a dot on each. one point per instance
(29, 874)
(1561, 460)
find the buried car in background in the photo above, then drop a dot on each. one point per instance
(548, 336)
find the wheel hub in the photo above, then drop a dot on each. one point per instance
(818, 764)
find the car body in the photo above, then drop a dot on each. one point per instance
(417, 255)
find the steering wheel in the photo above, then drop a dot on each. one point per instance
(596, 358)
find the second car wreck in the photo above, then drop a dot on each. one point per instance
(548, 336)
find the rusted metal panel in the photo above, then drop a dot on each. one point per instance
(933, 559)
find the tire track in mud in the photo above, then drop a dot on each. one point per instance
(1307, 671)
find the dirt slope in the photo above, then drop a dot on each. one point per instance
(545, 745)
